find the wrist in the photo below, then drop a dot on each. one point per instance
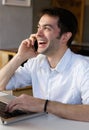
(19, 58)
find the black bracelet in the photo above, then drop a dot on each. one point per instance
(45, 105)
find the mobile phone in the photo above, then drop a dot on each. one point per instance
(35, 45)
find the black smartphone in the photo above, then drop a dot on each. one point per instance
(36, 45)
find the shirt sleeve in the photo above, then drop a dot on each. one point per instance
(21, 78)
(84, 83)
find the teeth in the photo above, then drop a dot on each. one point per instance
(41, 41)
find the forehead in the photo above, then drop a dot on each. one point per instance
(46, 19)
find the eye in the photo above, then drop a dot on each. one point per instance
(47, 28)
(38, 27)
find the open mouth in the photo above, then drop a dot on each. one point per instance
(42, 43)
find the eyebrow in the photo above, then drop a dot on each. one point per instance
(47, 25)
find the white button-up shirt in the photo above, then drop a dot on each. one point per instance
(68, 82)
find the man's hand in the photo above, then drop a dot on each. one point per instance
(26, 49)
(26, 103)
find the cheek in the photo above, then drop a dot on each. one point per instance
(50, 36)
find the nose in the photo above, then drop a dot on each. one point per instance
(40, 32)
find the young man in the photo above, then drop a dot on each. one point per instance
(60, 78)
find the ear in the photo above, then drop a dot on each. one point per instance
(66, 37)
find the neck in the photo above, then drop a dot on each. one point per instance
(55, 58)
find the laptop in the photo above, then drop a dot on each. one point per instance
(17, 115)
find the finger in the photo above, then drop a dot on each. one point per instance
(16, 107)
(9, 108)
(27, 42)
(12, 104)
(32, 38)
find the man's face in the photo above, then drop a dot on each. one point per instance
(48, 35)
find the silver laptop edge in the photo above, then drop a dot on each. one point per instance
(6, 99)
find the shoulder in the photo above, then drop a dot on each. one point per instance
(76, 61)
(80, 61)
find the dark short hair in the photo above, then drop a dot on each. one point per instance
(67, 21)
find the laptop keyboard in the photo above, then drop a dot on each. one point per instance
(9, 114)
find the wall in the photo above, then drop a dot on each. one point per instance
(86, 25)
(15, 25)
(37, 6)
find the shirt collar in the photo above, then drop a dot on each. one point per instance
(65, 60)
(62, 63)
(44, 62)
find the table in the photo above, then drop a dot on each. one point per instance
(46, 122)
